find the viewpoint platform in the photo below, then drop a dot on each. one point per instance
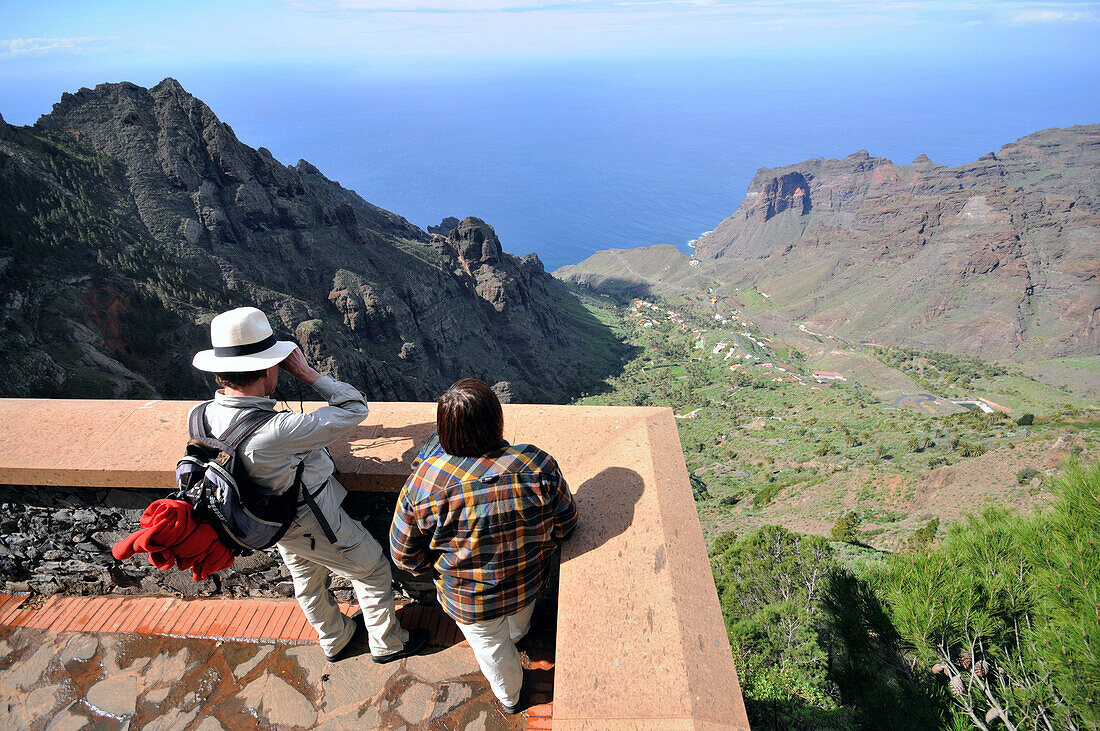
(638, 641)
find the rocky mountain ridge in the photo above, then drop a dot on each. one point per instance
(999, 257)
(130, 216)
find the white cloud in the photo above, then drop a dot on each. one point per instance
(1011, 11)
(1039, 15)
(37, 46)
(564, 28)
(435, 6)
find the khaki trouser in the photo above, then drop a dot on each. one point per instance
(494, 646)
(357, 557)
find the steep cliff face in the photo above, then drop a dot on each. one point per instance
(1000, 256)
(130, 216)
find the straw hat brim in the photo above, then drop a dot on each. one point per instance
(205, 360)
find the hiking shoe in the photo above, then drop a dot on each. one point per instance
(520, 706)
(360, 628)
(418, 639)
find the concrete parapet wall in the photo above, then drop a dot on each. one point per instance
(640, 641)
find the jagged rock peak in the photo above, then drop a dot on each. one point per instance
(129, 104)
(503, 390)
(861, 161)
(170, 84)
(475, 241)
(532, 261)
(448, 224)
(923, 159)
(122, 90)
(307, 168)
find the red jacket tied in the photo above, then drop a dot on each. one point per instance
(173, 538)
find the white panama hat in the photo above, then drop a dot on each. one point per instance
(243, 341)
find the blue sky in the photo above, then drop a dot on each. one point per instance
(220, 48)
(386, 36)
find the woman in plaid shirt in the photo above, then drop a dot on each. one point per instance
(487, 516)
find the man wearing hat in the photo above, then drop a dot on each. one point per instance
(246, 359)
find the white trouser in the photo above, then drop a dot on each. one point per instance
(494, 646)
(310, 557)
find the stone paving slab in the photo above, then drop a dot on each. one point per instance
(168, 675)
(72, 680)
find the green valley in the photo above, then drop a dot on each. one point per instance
(799, 428)
(866, 509)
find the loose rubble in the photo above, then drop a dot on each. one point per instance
(58, 541)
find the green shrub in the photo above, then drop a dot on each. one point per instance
(698, 488)
(1004, 610)
(969, 449)
(766, 495)
(1026, 420)
(1025, 475)
(813, 645)
(770, 585)
(722, 542)
(846, 528)
(923, 536)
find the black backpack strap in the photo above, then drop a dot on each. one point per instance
(244, 426)
(195, 425)
(309, 499)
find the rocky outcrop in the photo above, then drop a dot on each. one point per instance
(448, 224)
(130, 216)
(474, 243)
(997, 257)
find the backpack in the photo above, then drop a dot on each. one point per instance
(212, 479)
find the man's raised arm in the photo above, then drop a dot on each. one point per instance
(347, 408)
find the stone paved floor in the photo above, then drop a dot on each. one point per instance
(88, 680)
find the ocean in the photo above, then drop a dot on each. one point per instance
(570, 158)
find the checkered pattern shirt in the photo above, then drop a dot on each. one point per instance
(488, 526)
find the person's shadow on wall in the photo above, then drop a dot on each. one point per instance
(361, 452)
(605, 509)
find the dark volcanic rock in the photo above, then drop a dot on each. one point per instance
(130, 216)
(42, 548)
(448, 224)
(475, 242)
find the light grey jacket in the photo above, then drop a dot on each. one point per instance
(271, 455)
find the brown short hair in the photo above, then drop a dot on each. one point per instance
(469, 419)
(239, 380)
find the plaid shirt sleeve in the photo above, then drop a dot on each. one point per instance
(565, 507)
(411, 529)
